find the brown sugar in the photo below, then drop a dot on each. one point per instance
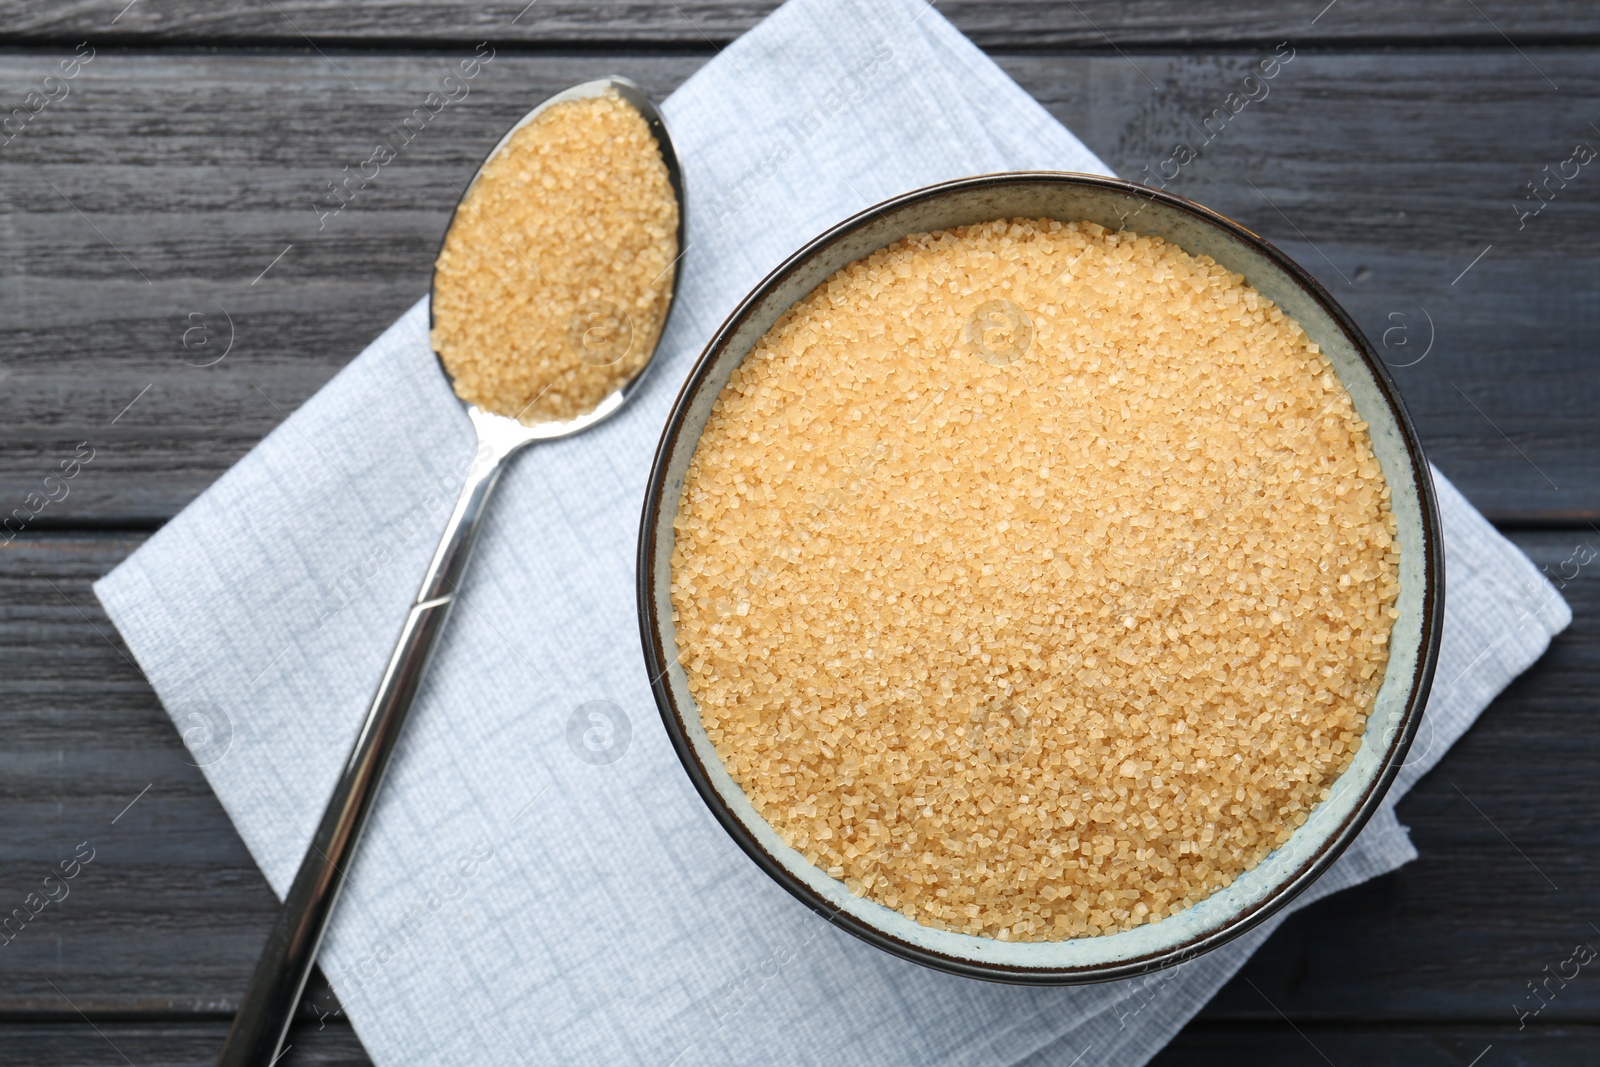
(1034, 580)
(553, 282)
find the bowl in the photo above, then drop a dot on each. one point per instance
(1414, 641)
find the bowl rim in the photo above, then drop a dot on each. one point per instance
(657, 660)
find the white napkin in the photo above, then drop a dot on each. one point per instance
(518, 899)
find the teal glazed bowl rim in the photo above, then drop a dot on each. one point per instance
(1414, 643)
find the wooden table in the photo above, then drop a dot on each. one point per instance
(169, 297)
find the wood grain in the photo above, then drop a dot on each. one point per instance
(1286, 1044)
(164, 1043)
(159, 196)
(168, 917)
(1100, 24)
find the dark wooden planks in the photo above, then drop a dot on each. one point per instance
(166, 912)
(705, 23)
(166, 921)
(186, 180)
(164, 1043)
(1288, 1045)
(150, 201)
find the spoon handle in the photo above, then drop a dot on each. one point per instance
(280, 975)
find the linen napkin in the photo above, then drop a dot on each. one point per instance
(539, 882)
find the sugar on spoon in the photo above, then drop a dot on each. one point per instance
(548, 357)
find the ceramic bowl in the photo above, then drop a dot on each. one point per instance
(1414, 643)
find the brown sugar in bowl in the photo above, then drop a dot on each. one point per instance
(1106, 949)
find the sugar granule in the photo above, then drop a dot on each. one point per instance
(554, 278)
(1034, 580)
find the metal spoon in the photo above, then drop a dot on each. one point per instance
(280, 975)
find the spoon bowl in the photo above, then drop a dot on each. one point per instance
(503, 429)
